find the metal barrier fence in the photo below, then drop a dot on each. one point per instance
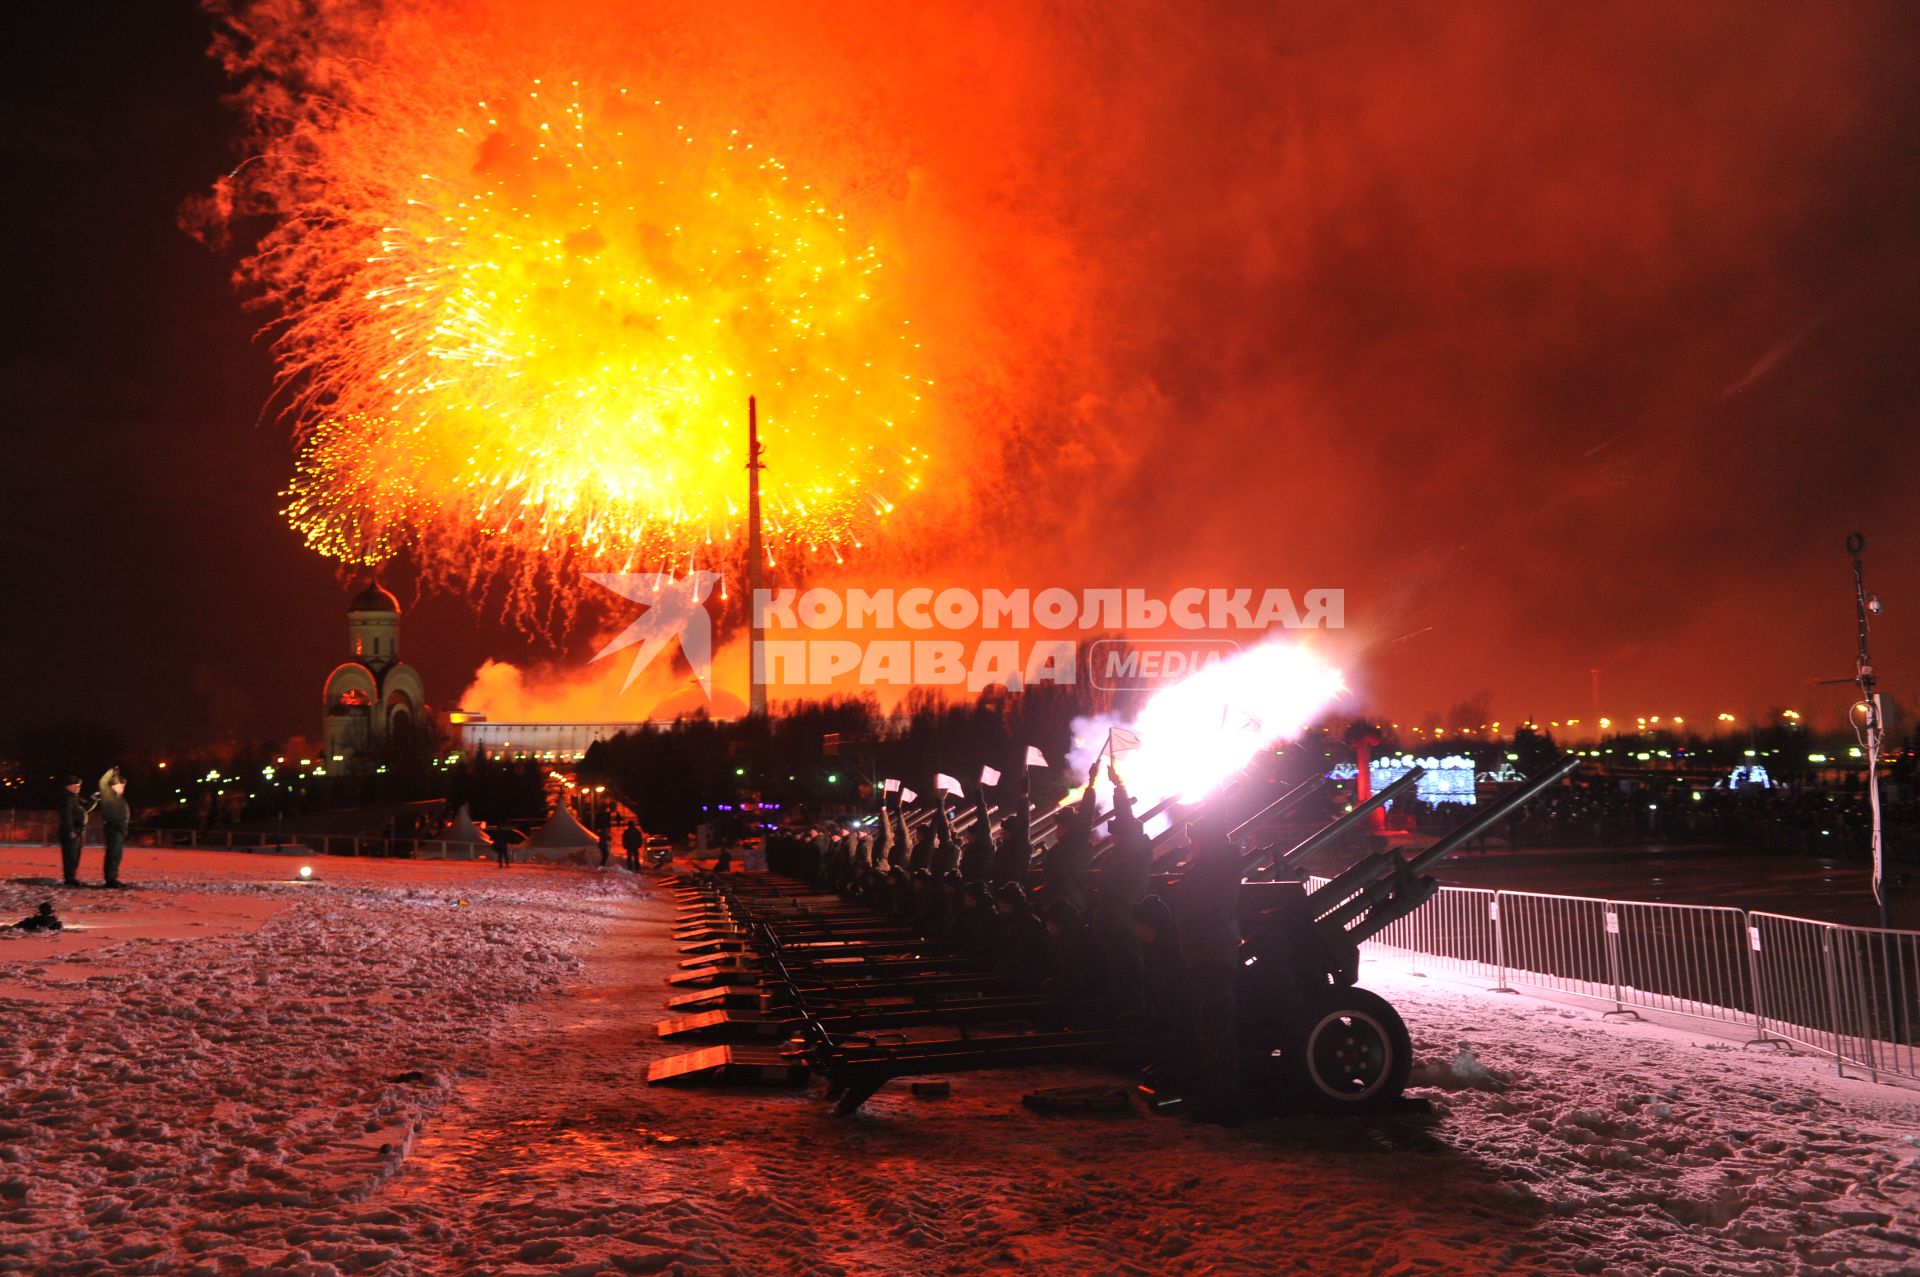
(313, 844)
(29, 828)
(40, 829)
(1850, 993)
(1454, 932)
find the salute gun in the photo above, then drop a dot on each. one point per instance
(1300, 1010)
(1298, 853)
(1386, 887)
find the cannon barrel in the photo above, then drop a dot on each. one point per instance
(1281, 805)
(1354, 893)
(1321, 837)
(1528, 791)
(965, 820)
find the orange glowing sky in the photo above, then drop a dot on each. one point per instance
(1563, 338)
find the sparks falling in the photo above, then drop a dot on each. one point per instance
(528, 333)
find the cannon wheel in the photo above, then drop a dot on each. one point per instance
(1353, 1050)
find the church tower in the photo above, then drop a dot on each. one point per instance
(373, 695)
(373, 627)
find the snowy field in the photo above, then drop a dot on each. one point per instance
(421, 1067)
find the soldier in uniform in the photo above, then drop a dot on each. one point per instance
(977, 858)
(1122, 882)
(1013, 854)
(73, 831)
(115, 815)
(1204, 909)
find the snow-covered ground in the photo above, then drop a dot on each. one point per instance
(425, 1067)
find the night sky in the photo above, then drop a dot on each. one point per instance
(1559, 337)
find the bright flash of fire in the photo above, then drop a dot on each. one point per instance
(1196, 733)
(519, 336)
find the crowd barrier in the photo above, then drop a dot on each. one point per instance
(1849, 993)
(40, 829)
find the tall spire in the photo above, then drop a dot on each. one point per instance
(757, 694)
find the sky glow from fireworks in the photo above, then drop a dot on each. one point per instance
(539, 327)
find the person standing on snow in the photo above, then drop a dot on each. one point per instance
(1204, 910)
(115, 815)
(73, 831)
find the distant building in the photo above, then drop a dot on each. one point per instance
(373, 695)
(472, 733)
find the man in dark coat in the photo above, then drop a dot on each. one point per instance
(1013, 854)
(1072, 964)
(1023, 936)
(1164, 974)
(976, 860)
(631, 840)
(73, 831)
(1204, 908)
(978, 923)
(1121, 883)
(115, 815)
(502, 849)
(1163, 987)
(946, 849)
(1067, 872)
(922, 854)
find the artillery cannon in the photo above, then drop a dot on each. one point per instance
(863, 1002)
(1305, 1026)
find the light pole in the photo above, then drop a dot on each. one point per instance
(1867, 718)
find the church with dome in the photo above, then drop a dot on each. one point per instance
(373, 695)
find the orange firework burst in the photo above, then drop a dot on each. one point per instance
(527, 335)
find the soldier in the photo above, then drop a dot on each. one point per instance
(1014, 852)
(1023, 936)
(923, 846)
(115, 815)
(1072, 965)
(1163, 989)
(977, 859)
(1067, 872)
(1122, 881)
(978, 923)
(887, 849)
(946, 852)
(73, 831)
(1210, 945)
